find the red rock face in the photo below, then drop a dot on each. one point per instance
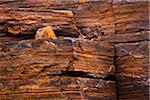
(64, 70)
(104, 54)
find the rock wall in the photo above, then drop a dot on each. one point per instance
(111, 62)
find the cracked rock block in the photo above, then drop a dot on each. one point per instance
(133, 70)
(35, 70)
(96, 58)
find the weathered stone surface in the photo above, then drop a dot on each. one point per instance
(32, 57)
(95, 20)
(28, 15)
(132, 70)
(131, 17)
(81, 55)
(94, 57)
(110, 63)
(37, 67)
(69, 18)
(58, 88)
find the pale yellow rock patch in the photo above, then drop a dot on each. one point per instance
(45, 33)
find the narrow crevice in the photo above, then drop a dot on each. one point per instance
(131, 41)
(85, 75)
(24, 36)
(110, 78)
(6, 2)
(76, 74)
(115, 53)
(80, 47)
(34, 92)
(116, 71)
(44, 69)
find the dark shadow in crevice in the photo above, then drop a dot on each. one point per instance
(110, 78)
(76, 74)
(86, 75)
(24, 36)
(116, 71)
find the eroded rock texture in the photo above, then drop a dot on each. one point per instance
(37, 67)
(104, 55)
(132, 70)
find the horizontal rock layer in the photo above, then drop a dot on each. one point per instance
(59, 88)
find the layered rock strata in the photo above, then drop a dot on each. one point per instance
(110, 63)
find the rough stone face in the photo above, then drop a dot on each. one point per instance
(94, 57)
(59, 88)
(34, 56)
(110, 63)
(131, 17)
(37, 67)
(95, 19)
(127, 37)
(29, 15)
(132, 70)
(71, 17)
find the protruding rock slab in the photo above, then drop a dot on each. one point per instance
(133, 70)
(38, 70)
(82, 55)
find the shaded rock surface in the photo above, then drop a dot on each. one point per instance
(132, 70)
